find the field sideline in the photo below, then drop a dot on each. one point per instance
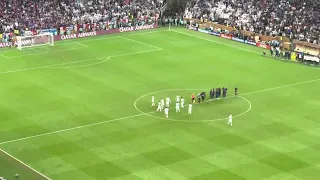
(165, 47)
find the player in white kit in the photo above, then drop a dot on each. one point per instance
(178, 98)
(162, 103)
(159, 106)
(230, 120)
(152, 101)
(182, 102)
(168, 101)
(190, 109)
(166, 112)
(177, 107)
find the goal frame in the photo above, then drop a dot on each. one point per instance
(20, 39)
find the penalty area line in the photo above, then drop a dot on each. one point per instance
(140, 42)
(24, 164)
(104, 59)
(137, 115)
(38, 53)
(4, 56)
(81, 44)
(81, 66)
(74, 62)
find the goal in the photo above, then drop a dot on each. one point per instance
(36, 40)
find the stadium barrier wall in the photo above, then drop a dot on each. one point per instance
(86, 34)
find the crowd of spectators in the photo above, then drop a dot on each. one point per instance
(45, 14)
(297, 19)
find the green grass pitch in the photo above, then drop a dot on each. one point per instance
(81, 110)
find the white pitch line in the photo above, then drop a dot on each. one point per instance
(37, 53)
(100, 62)
(24, 164)
(217, 42)
(279, 87)
(70, 129)
(81, 44)
(74, 62)
(139, 42)
(141, 52)
(3, 55)
(127, 117)
(81, 66)
(48, 66)
(190, 121)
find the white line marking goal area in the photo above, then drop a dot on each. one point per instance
(42, 50)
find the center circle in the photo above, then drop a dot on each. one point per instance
(219, 106)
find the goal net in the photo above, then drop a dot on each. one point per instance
(36, 40)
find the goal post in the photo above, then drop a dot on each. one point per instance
(34, 41)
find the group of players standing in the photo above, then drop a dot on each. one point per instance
(214, 94)
(164, 105)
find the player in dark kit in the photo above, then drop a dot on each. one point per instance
(217, 92)
(211, 96)
(203, 95)
(213, 93)
(199, 97)
(236, 91)
(224, 91)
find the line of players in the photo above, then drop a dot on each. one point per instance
(164, 105)
(214, 94)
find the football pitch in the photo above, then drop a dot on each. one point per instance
(82, 110)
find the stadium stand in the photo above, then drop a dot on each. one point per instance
(19, 16)
(297, 19)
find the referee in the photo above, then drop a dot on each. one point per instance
(192, 98)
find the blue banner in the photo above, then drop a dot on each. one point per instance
(238, 39)
(70, 28)
(53, 31)
(251, 43)
(203, 31)
(215, 34)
